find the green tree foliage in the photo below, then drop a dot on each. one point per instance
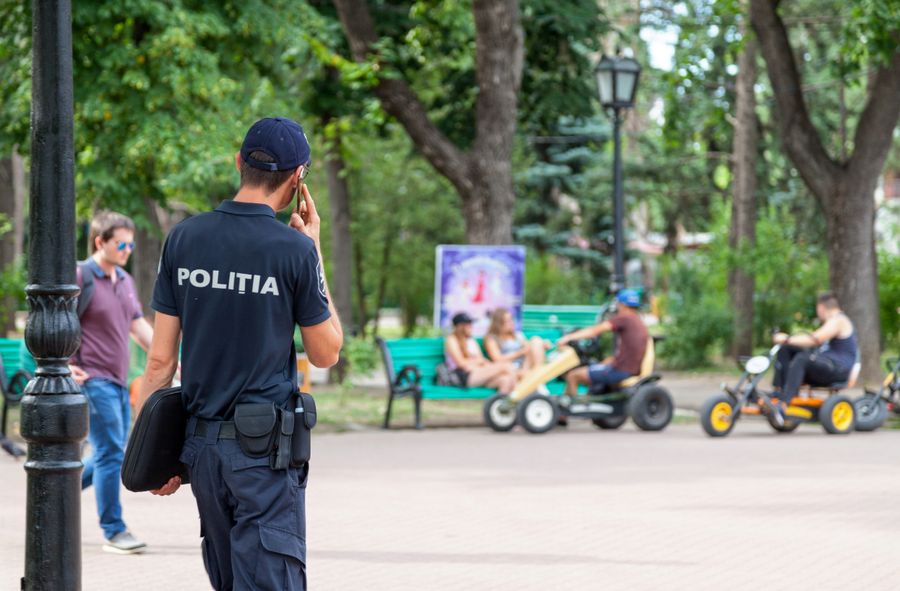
(889, 297)
(790, 271)
(172, 91)
(15, 72)
(12, 278)
(561, 212)
(549, 281)
(163, 94)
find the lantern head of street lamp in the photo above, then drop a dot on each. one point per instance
(617, 80)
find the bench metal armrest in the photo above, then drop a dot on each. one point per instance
(408, 375)
(14, 390)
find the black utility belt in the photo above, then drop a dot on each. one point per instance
(264, 430)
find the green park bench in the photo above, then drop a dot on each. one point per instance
(410, 367)
(16, 368)
(561, 318)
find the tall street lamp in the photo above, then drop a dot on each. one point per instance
(617, 80)
(54, 412)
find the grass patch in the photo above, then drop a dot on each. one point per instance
(357, 408)
(893, 422)
(680, 418)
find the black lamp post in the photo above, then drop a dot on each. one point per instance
(54, 412)
(617, 80)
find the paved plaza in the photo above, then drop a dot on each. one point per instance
(577, 508)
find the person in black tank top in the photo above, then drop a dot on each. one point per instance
(825, 357)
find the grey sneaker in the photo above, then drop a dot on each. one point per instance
(124, 543)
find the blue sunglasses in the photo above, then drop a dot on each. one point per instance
(121, 246)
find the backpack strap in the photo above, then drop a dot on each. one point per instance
(87, 286)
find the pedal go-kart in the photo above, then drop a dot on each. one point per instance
(833, 410)
(872, 408)
(647, 403)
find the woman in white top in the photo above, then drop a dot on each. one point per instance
(463, 356)
(504, 344)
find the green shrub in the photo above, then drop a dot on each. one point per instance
(889, 298)
(790, 271)
(12, 284)
(549, 280)
(698, 316)
(361, 355)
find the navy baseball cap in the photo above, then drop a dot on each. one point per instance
(280, 138)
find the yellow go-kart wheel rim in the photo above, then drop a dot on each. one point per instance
(720, 417)
(842, 416)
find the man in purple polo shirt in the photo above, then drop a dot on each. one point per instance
(100, 366)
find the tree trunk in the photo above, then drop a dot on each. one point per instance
(341, 240)
(145, 261)
(12, 203)
(360, 290)
(853, 266)
(741, 282)
(383, 278)
(488, 207)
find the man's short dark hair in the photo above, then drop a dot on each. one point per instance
(105, 225)
(268, 180)
(829, 300)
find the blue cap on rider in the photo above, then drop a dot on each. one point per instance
(629, 297)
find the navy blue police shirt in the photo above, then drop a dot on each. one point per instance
(239, 280)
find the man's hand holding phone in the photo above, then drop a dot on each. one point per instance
(305, 218)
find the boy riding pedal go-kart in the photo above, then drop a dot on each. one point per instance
(619, 387)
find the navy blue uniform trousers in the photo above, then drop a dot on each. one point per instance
(252, 518)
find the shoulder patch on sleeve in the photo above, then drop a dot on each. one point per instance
(321, 275)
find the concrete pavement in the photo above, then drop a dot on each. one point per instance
(578, 508)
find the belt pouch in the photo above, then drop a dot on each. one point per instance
(304, 421)
(281, 459)
(255, 426)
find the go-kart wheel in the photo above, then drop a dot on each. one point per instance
(16, 388)
(500, 413)
(611, 422)
(537, 413)
(789, 426)
(837, 415)
(871, 412)
(715, 415)
(651, 408)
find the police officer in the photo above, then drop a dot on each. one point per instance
(235, 282)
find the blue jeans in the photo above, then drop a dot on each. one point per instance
(602, 375)
(110, 420)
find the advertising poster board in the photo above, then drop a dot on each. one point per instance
(477, 280)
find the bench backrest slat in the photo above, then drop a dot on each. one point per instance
(15, 356)
(563, 318)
